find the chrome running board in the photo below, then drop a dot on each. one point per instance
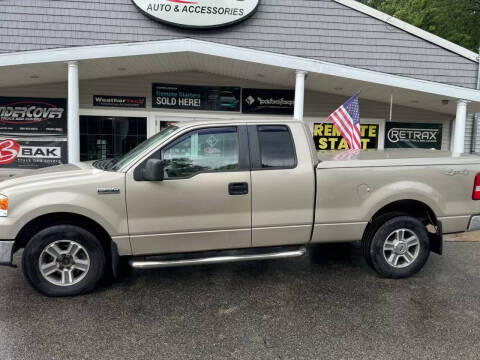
(155, 264)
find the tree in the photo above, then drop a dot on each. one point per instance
(454, 20)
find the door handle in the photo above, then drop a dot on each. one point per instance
(238, 188)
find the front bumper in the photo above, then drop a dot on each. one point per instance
(6, 252)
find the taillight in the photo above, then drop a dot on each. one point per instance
(476, 188)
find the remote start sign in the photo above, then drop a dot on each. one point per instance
(31, 154)
(198, 13)
(33, 115)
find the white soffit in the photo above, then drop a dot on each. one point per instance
(425, 35)
(118, 51)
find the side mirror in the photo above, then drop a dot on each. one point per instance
(154, 170)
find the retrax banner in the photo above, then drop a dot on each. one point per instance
(33, 115)
(31, 153)
(411, 135)
(268, 101)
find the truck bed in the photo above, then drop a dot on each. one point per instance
(391, 158)
(353, 186)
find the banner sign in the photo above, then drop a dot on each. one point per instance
(185, 97)
(327, 137)
(119, 101)
(413, 135)
(32, 153)
(268, 101)
(33, 115)
(198, 13)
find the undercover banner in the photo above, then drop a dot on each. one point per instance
(33, 115)
(186, 97)
(32, 153)
(413, 135)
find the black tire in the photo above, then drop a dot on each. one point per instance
(372, 229)
(378, 255)
(90, 244)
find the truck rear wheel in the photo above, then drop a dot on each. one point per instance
(63, 260)
(399, 248)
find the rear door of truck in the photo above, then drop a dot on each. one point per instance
(283, 184)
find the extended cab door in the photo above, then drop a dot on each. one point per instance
(283, 184)
(203, 203)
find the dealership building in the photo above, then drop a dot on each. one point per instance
(90, 79)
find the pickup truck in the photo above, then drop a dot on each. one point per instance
(225, 191)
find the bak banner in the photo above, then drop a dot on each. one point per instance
(185, 97)
(33, 115)
(268, 101)
(327, 137)
(31, 153)
(412, 135)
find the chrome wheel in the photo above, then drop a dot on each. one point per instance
(64, 263)
(401, 248)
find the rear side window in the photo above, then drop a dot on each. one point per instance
(276, 147)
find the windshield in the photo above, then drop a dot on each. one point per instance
(121, 162)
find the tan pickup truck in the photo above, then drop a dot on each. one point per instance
(214, 192)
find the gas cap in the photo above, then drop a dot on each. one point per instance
(363, 191)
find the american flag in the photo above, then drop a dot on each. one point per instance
(347, 120)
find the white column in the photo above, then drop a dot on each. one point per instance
(299, 95)
(73, 113)
(459, 134)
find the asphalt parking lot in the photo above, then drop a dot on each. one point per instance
(327, 305)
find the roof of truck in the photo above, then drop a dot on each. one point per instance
(392, 157)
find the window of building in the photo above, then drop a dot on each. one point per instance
(109, 137)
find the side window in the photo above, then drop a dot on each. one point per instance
(205, 150)
(276, 147)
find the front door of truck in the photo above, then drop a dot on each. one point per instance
(204, 201)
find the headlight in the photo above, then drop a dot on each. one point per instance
(3, 206)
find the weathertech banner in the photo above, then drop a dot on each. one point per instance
(33, 115)
(119, 101)
(327, 137)
(268, 101)
(413, 135)
(31, 153)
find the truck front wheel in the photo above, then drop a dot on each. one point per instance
(399, 248)
(63, 260)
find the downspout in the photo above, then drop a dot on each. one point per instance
(476, 118)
